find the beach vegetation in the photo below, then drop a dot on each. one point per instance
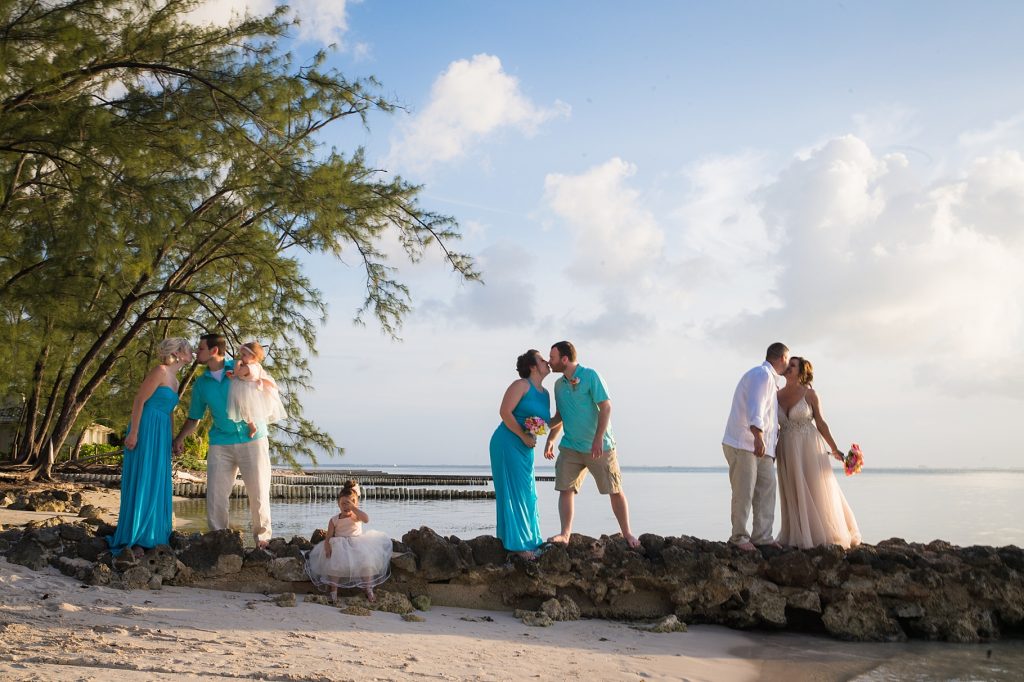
(159, 178)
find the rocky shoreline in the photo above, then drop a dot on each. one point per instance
(891, 591)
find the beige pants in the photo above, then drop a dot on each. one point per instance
(223, 463)
(753, 486)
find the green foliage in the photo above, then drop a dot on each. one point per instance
(160, 179)
(99, 453)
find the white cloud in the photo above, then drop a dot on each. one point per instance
(322, 21)
(872, 262)
(472, 99)
(615, 235)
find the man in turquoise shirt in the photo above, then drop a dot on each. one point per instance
(232, 450)
(584, 410)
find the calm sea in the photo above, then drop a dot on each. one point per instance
(964, 507)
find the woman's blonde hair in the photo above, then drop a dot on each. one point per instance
(173, 350)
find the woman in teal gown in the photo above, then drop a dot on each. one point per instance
(145, 519)
(512, 445)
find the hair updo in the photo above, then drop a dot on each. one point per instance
(526, 362)
(349, 488)
(804, 371)
(173, 350)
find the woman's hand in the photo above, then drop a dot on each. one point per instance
(130, 441)
(327, 548)
(838, 455)
(529, 440)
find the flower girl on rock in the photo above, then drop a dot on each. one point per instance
(349, 557)
(253, 395)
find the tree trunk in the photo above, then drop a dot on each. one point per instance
(28, 417)
(43, 470)
(77, 447)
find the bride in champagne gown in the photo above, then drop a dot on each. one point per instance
(814, 511)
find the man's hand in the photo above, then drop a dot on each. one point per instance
(597, 448)
(759, 448)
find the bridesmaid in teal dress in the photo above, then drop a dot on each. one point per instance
(145, 519)
(512, 446)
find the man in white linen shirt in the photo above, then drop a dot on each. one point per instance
(749, 445)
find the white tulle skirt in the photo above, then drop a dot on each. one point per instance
(357, 561)
(247, 402)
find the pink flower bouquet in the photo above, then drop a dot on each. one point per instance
(853, 461)
(535, 426)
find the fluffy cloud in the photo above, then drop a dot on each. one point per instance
(470, 100)
(875, 261)
(322, 21)
(615, 236)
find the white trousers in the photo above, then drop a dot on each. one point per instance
(223, 463)
(753, 486)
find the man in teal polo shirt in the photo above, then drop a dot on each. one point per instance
(584, 410)
(232, 450)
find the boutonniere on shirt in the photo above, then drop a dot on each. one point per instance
(574, 382)
(229, 374)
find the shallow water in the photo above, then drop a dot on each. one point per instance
(961, 507)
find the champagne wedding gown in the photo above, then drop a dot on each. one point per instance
(814, 511)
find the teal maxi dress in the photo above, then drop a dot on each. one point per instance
(146, 512)
(515, 489)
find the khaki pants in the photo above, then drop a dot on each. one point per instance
(223, 463)
(753, 486)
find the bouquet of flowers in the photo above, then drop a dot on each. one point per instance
(853, 461)
(535, 426)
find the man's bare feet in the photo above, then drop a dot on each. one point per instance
(773, 543)
(745, 546)
(631, 540)
(560, 539)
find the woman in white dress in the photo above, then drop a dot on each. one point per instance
(814, 511)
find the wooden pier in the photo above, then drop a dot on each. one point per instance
(315, 487)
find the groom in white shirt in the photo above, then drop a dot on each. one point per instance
(749, 445)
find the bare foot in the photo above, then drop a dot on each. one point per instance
(138, 552)
(262, 544)
(631, 540)
(561, 539)
(529, 556)
(746, 547)
(370, 596)
(773, 543)
(334, 596)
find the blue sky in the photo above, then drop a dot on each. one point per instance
(673, 186)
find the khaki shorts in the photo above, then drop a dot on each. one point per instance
(572, 466)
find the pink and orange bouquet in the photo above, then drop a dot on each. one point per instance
(535, 426)
(853, 461)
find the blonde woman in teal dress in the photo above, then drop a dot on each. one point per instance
(145, 519)
(512, 446)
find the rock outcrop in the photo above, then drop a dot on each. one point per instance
(887, 592)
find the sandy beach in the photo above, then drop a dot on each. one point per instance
(58, 629)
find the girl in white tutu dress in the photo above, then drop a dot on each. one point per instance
(253, 395)
(349, 556)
